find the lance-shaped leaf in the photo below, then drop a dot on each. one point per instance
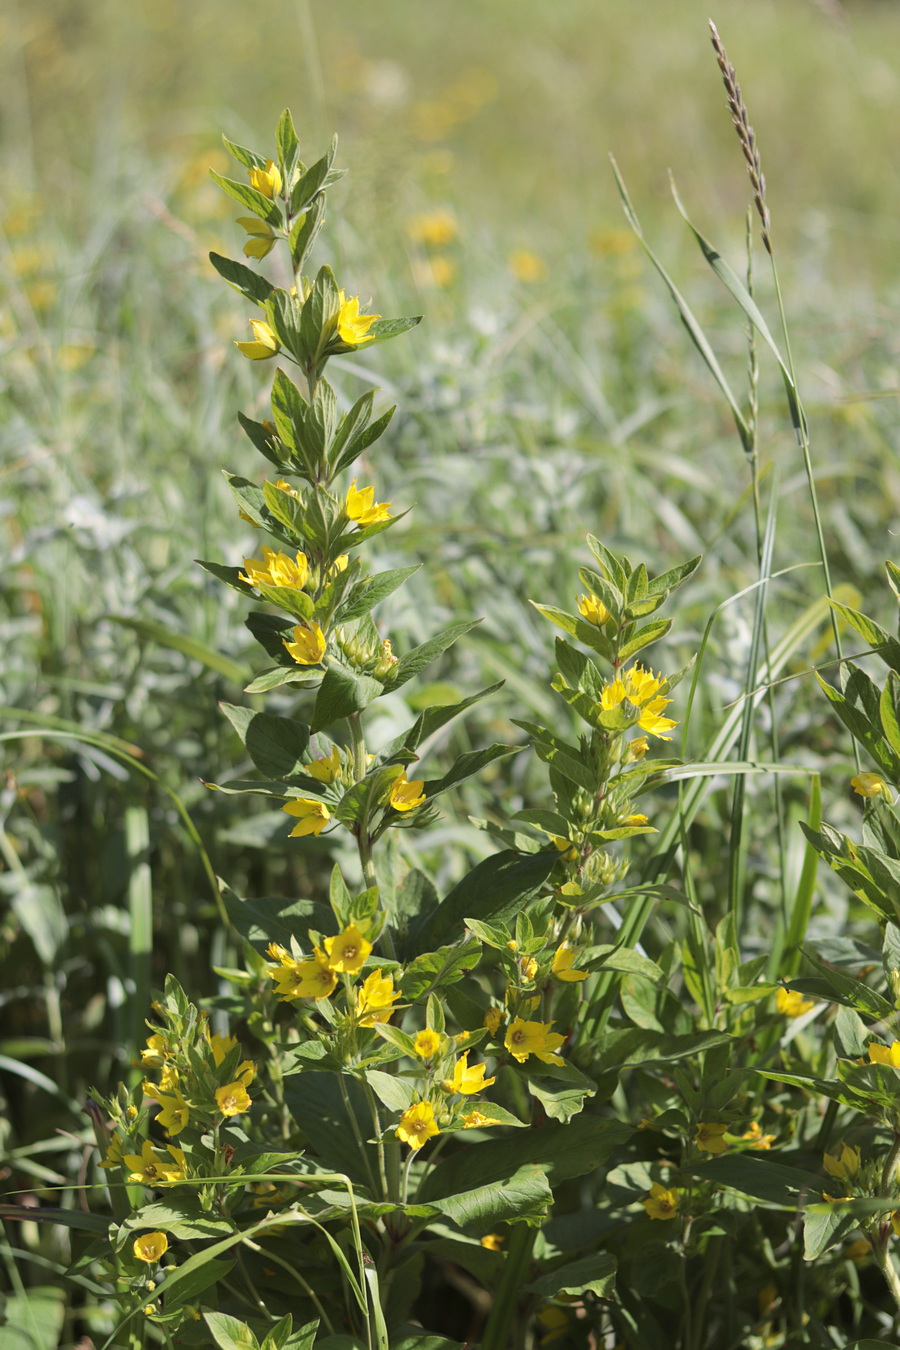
(305, 232)
(261, 206)
(467, 766)
(414, 662)
(243, 279)
(495, 890)
(595, 1274)
(249, 158)
(342, 692)
(268, 445)
(288, 148)
(524, 1197)
(310, 183)
(278, 746)
(371, 591)
(382, 330)
(437, 969)
(361, 439)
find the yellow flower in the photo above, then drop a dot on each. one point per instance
(476, 1120)
(339, 564)
(277, 569)
(593, 609)
(233, 1099)
(266, 344)
(533, 1038)
(114, 1157)
(417, 1125)
(179, 1171)
(348, 952)
(174, 1114)
(353, 327)
(564, 965)
(755, 1137)
(406, 796)
(312, 816)
(885, 1054)
(529, 967)
(612, 695)
(527, 266)
(843, 1166)
(465, 1080)
(360, 505)
(327, 769)
(869, 785)
(492, 1019)
(262, 237)
(374, 999)
(221, 1047)
(150, 1247)
(308, 646)
(492, 1241)
(150, 1168)
(636, 749)
(311, 978)
(427, 1043)
(650, 719)
(636, 819)
(246, 1072)
(661, 1203)
(267, 180)
(859, 1250)
(435, 229)
(791, 1003)
(708, 1137)
(157, 1050)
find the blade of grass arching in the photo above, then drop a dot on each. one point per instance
(737, 845)
(802, 906)
(661, 859)
(57, 729)
(698, 337)
(188, 646)
(140, 936)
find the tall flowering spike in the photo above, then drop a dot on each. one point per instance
(353, 327)
(264, 345)
(417, 1125)
(267, 180)
(348, 952)
(308, 646)
(406, 796)
(312, 816)
(361, 506)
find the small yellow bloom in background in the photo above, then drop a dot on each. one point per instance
(311, 978)
(360, 505)
(708, 1137)
(859, 1250)
(885, 1054)
(221, 1047)
(308, 646)
(843, 1166)
(156, 1051)
(636, 819)
(353, 327)
(374, 999)
(417, 1125)
(246, 1072)
(611, 242)
(233, 1099)
(477, 1120)
(755, 1137)
(434, 229)
(492, 1019)
(661, 1203)
(492, 1241)
(148, 1167)
(312, 816)
(592, 609)
(465, 1080)
(174, 1114)
(284, 486)
(327, 769)
(529, 967)
(406, 796)
(114, 1155)
(533, 1038)
(427, 1043)
(150, 1247)
(348, 952)
(436, 270)
(267, 180)
(262, 237)
(871, 785)
(527, 266)
(265, 342)
(563, 966)
(791, 1003)
(277, 569)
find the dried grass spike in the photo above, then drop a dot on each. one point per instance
(746, 136)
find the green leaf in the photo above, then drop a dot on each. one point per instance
(249, 158)
(467, 766)
(230, 575)
(494, 891)
(768, 1179)
(230, 1334)
(33, 1319)
(560, 1088)
(277, 919)
(593, 1274)
(416, 661)
(196, 1282)
(261, 206)
(432, 719)
(383, 330)
(277, 745)
(309, 184)
(243, 279)
(305, 231)
(371, 591)
(342, 692)
(394, 1092)
(288, 147)
(316, 1103)
(190, 647)
(651, 632)
(183, 1219)
(525, 1196)
(437, 969)
(823, 1229)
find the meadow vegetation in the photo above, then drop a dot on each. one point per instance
(706, 933)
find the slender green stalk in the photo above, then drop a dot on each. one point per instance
(501, 1318)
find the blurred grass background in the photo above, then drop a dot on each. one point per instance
(550, 391)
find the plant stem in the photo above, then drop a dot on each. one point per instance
(357, 1134)
(508, 1292)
